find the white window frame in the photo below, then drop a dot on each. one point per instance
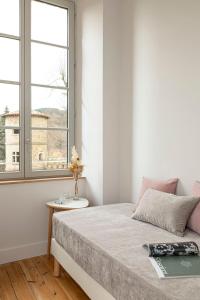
(25, 91)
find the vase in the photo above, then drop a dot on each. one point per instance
(76, 176)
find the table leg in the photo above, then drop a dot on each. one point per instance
(51, 211)
(56, 270)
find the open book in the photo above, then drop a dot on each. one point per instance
(172, 260)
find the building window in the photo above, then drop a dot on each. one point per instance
(15, 157)
(15, 131)
(41, 156)
(36, 87)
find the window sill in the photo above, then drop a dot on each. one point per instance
(31, 180)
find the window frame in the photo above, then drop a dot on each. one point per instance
(25, 91)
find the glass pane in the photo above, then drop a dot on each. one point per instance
(9, 59)
(49, 65)
(9, 17)
(9, 150)
(43, 29)
(9, 105)
(49, 150)
(52, 105)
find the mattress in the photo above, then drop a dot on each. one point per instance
(107, 244)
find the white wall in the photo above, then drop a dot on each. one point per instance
(24, 216)
(111, 99)
(126, 103)
(97, 95)
(89, 93)
(163, 127)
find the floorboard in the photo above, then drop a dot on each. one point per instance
(6, 289)
(32, 279)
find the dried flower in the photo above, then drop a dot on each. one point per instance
(75, 166)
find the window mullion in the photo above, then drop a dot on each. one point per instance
(50, 44)
(9, 82)
(71, 78)
(9, 36)
(21, 85)
(27, 88)
(55, 87)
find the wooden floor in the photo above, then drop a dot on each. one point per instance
(32, 279)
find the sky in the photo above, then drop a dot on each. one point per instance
(47, 61)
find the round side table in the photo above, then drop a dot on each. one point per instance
(55, 206)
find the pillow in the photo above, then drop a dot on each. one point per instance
(165, 210)
(194, 220)
(167, 186)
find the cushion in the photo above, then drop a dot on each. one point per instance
(167, 186)
(194, 220)
(165, 210)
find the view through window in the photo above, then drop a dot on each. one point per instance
(36, 105)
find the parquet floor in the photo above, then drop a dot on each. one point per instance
(32, 279)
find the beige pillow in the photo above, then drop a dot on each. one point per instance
(165, 210)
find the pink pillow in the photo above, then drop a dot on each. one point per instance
(167, 186)
(194, 220)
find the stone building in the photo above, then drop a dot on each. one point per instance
(49, 151)
(39, 141)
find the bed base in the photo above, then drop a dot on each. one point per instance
(92, 288)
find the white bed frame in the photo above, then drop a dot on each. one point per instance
(92, 288)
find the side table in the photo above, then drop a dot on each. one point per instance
(55, 206)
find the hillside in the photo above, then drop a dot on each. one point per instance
(57, 117)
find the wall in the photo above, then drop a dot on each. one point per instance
(126, 103)
(97, 95)
(89, 93)
(164, 126)
(24, 216)
(111, 99)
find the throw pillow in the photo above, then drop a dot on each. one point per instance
(167, 186)
(194, 220)
(165, 210)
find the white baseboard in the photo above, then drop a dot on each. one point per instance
(22, 252)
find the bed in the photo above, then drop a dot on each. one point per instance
(101, 248)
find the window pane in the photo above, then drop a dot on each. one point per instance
(9, 105)
(49, 150)
(9, 17)
(52, 103)
(46, 30)
(9, 151)
(49, 65)
(9, 59)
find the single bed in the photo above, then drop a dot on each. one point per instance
(101, 248)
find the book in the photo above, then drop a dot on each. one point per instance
(171, 249)
(176, 266)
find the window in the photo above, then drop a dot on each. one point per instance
(36, 87)
(15, 157)
(40, 156)
(15, 131)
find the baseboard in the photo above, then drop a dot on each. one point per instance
(22, 252)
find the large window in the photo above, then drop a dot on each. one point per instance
(36, 87)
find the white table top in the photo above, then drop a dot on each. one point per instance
(69, 204)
